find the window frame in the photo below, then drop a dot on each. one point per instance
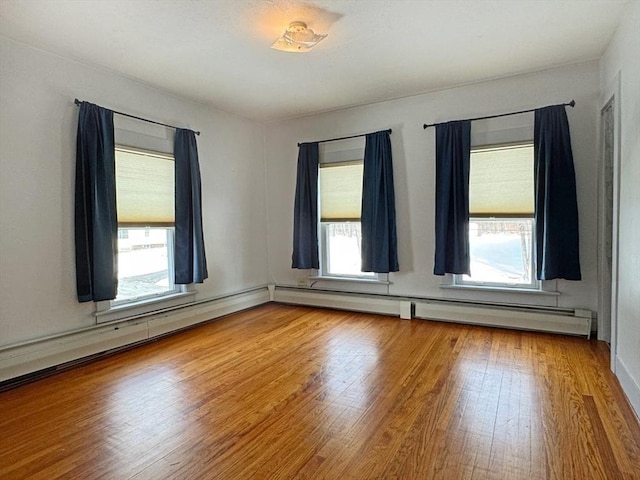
(114, 310)
(173, 288)
(324, 253)
(458, 280)
(345, 152)
(534, 285)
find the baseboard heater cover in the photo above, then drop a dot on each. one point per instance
(517, 318)
(569, 322)
(20, 360)
(381, 304)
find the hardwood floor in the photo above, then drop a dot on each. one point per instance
(283, 392)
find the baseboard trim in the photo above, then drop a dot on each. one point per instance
(629, 385)
(17, 361)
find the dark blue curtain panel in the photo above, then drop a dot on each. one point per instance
(453, 151)
(96, 223)
(305, 210)
(556, 213)
(378, 217)
(190, 258)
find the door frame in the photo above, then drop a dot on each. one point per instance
(609, 95)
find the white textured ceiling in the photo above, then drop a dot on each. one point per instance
(217, 51)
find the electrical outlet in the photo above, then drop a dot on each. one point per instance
(302, 282)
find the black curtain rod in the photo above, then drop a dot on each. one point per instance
(571, 104)
(78, 102)
(344, 138)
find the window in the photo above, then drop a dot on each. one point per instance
(340, 193)
(145, 203)
(145, 263)
(501, 226)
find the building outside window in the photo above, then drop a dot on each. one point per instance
(501, 224)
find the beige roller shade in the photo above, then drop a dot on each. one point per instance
(340, 191)
(501, 181)
(145, 188)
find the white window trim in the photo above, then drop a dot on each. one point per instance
(547, 287)
(109, 311)
(497, 288)
(378, 279)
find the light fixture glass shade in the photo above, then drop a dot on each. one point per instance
(297, 38)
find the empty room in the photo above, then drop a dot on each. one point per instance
(326, 239)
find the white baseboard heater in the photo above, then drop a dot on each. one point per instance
(59, 350)
(571, 322)
(563, 321)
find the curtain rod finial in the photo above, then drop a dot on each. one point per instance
(572, 103)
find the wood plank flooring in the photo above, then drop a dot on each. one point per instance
(283, 392)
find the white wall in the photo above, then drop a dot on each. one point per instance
(623, 57)
(37, 149)
(37, 155)
(414, 171)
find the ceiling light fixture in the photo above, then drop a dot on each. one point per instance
(297, 38)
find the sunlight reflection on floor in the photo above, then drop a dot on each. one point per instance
(350, 360)
(143, 410)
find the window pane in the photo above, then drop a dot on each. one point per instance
(144, 262)
(342, 244)
(500, 252)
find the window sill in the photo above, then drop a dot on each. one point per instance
(373, 281)
(108, 313)
(479, 288)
